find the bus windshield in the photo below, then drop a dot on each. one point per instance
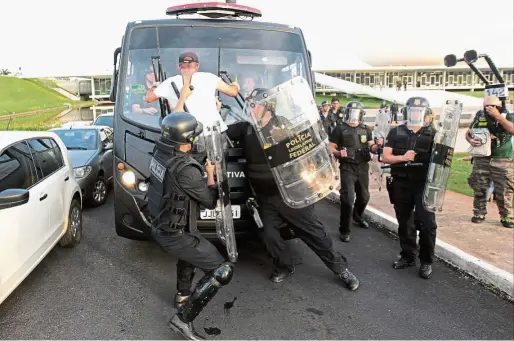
(256, 58)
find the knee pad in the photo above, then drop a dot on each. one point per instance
(224, 273)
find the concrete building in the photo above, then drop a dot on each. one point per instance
(418, 77)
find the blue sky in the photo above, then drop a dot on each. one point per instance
(62, 37)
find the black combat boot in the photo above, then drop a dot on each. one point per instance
(478, 218)
(345, 238)
(349, 280)
(186, 329)
(361, 223)
(425, 271)
(281, 273)
(507, 222)
(403, 263)
(205, 290)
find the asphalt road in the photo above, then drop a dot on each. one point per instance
(113, 288)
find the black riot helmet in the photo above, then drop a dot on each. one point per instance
(180, 128)
(354, 112)
(260, 96)
(416, 110)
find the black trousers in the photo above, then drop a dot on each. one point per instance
(192, 251)
(407, 196)
(354, 189)
(274, 212)
(394, 116)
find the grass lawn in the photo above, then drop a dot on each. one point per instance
(368, 102)
(460, 171)
(22, 95)
(476, 93)
(38, 122)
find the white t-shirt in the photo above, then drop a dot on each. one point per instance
(202, 102)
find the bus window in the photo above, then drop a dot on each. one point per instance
(254, 58)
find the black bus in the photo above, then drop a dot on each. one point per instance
(255, 53)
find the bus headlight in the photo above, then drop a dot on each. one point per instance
(142, 186)
(128, 178)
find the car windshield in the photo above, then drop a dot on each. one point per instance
(254, 58)
(79, 139)
(104, 121)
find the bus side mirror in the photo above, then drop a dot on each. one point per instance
(471, 56)
(114, 81)
(450, 60)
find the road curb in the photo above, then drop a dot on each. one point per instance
(475, 267)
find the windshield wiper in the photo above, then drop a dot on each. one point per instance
(239, 100)
(160, 76)
(76, 148)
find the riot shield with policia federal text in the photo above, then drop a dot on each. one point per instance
(213, 140)
(288, 126)
(442, 156)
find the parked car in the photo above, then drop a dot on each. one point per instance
(105, 120)
(90, 150)
(40, 203)
(75, 124)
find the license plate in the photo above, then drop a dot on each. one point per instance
(211, 214)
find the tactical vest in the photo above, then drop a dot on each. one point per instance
(355, 140)
(168, 204)
(421, 142)
(257, 169)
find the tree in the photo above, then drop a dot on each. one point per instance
(5, 72)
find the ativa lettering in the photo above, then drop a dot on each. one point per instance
(235, 174)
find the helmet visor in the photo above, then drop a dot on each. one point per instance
(416, 115)
(354, 116)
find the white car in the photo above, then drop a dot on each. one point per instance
(40, 203)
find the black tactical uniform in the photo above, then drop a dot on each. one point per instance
(177, 186)
(354, 169)
(406, 191)
(274, 212)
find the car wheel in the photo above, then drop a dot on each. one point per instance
(73, 233)
(99, 192)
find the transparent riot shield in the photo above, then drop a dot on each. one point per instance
(382, 124)
(382, 127)
(224, 224)
(442, 156)
(288, 125)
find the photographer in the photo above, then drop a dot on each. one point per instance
(495, 126)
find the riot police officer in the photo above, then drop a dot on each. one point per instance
(273, 210)
(408, 148)
(352, 141)
(177, 186)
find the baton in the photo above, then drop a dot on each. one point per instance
(177, 93)
(408, 164)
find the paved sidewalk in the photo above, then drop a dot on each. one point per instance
(489, 241)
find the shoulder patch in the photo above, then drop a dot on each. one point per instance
(157, 169)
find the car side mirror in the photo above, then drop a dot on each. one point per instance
(13, 197)
(109, 146)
